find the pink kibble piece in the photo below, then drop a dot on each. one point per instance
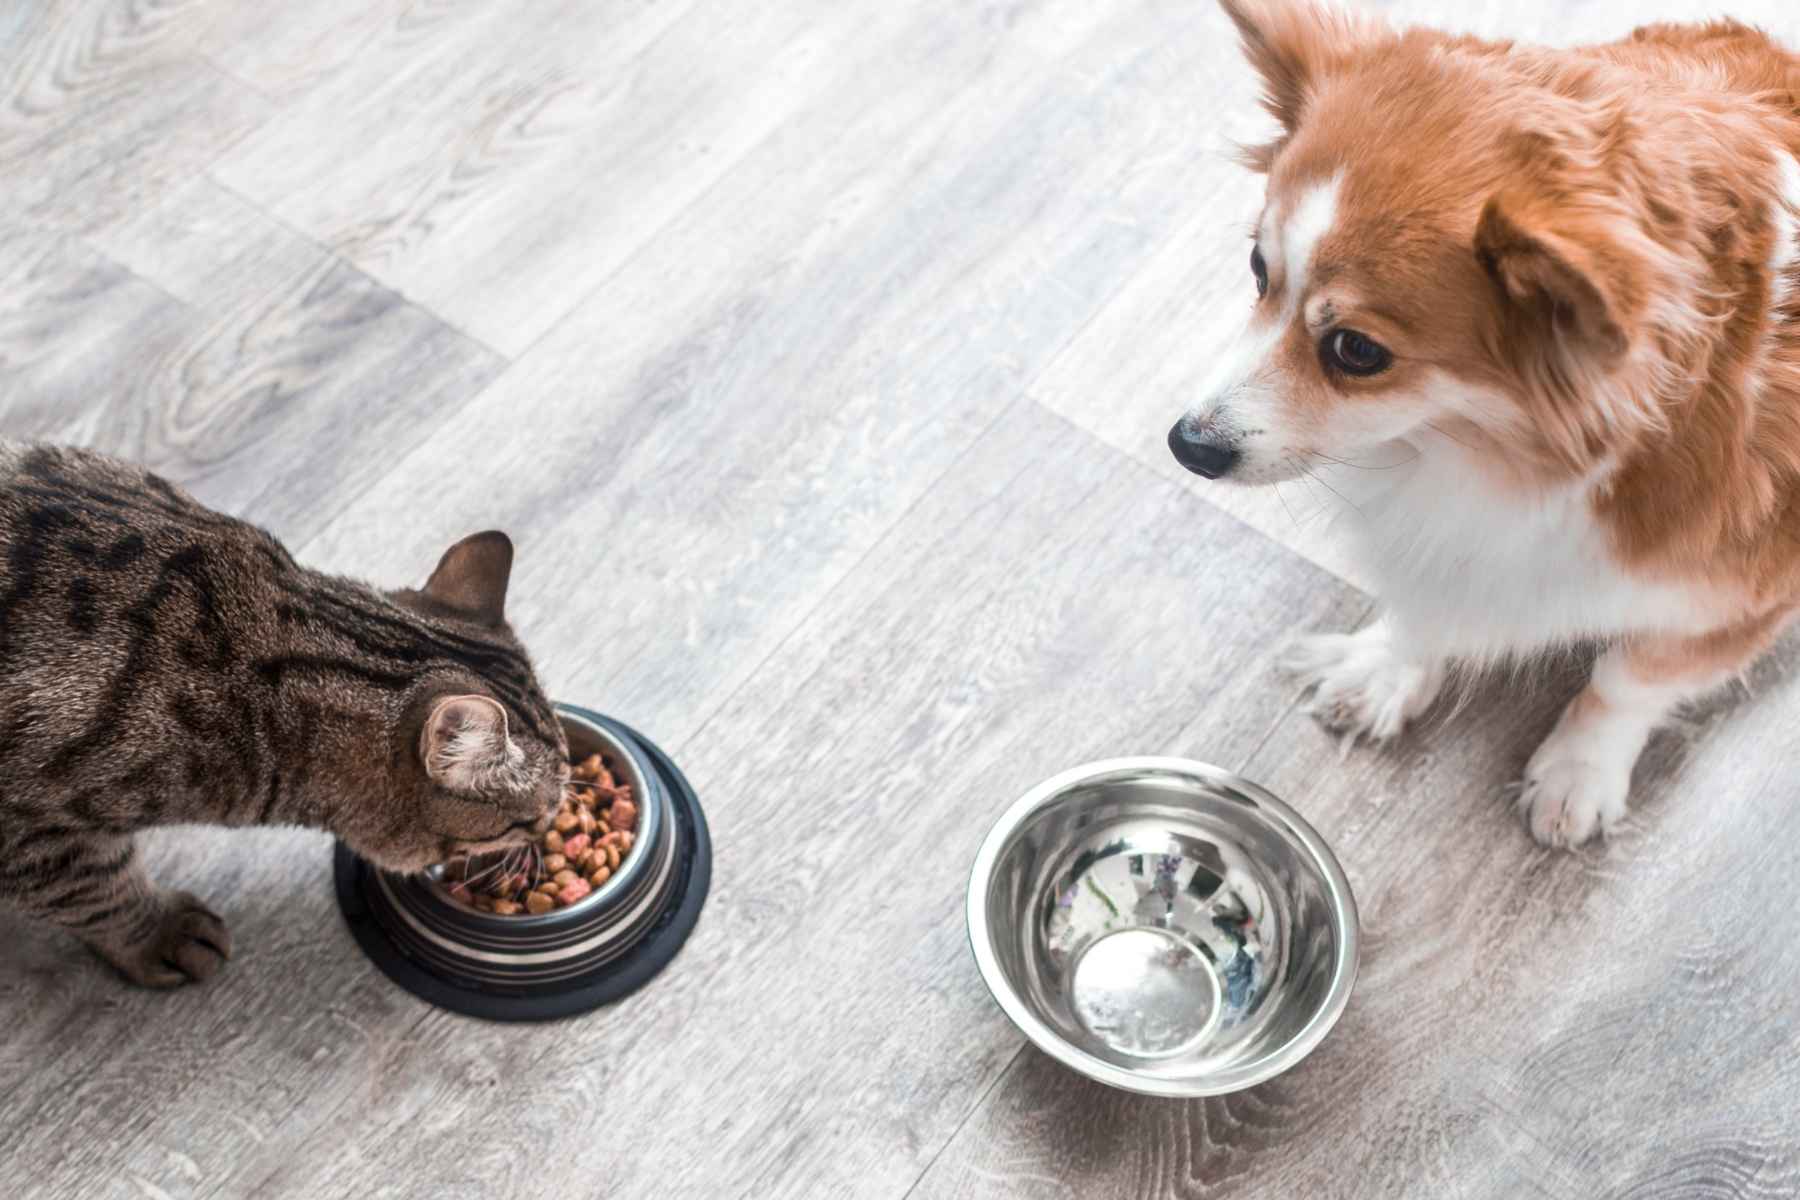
(575, 847)
(574, 890)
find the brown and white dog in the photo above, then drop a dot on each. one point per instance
(1536, 314)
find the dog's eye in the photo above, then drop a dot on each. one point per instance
(1350, 352)
(1260, 269)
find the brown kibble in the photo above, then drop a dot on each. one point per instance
(589, 838)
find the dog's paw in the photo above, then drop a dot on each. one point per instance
(1573, 789)
(1360, 687)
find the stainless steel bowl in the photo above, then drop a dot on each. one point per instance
(1163, 926)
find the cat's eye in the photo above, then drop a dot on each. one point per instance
(1354, 353)
(1260, 269)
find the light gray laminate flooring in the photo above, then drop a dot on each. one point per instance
(817, 355)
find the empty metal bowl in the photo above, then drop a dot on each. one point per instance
(1163, 926)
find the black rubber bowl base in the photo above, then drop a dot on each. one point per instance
(565, 998)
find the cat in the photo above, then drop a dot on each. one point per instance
(161, 663)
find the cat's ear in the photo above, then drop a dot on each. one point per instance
(464, 741)
(472, 575)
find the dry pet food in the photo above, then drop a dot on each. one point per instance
(593, 832)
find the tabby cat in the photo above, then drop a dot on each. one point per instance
(161, 663)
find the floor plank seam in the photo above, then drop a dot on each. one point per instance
(1293, 705)
(880, 540)
(650, 238)
(85, 242)
(348, 263)
(980, 1103)
(1141, 464)
(1053, 357)
(263, 1180)
(255, 89)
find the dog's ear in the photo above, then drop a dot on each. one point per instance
(1292, 44)
(1571, 296)
(1562, 273)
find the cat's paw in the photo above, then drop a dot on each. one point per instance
(1360, 686)
(189, 945)
(1574, 787)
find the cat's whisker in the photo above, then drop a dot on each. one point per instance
(487, 872)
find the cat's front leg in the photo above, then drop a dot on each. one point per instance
(97, 890)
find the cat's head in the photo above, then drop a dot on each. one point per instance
(480, 758)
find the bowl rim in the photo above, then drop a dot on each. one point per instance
(1343, 908)
(648, 831)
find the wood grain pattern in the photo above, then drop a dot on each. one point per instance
(247, 364)
(499, 175)
(104, 107)
(843, 338)
(770, 385)
(283, 51)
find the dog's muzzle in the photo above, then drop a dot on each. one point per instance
(1202, 453)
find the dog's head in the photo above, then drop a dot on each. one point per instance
(1446, 250)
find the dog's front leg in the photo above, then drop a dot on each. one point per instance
(1369, 683)
(1576, 783)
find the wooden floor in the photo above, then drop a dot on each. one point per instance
(817, 355)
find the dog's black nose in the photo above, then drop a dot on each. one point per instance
(1199, 455)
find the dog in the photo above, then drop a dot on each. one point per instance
(1535, 314)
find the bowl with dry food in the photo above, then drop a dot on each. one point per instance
(1163, 926)
(588, 859)
(582, 917)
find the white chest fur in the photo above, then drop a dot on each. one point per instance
(1471, 570)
